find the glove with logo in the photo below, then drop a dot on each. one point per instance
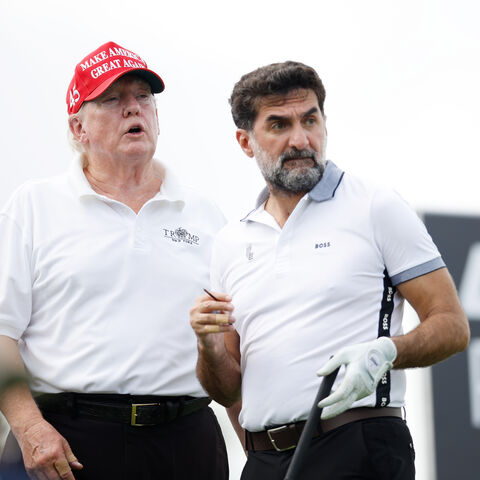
(365, 364)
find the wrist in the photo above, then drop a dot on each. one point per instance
(211, 348)
(388, 348)
(21, 426)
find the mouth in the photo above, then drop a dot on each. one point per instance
(298, 158)
(135, 130)
(299, 162)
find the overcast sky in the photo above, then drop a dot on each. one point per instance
(402, 81)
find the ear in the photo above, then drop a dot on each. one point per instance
(243, 139)
(76, 127)
(158, 124)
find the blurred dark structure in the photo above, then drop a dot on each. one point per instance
(456, 382)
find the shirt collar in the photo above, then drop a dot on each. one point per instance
(170, 189)
(324, 190)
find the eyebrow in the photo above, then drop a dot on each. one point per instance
(274, 118)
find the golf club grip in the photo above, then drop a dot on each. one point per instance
(310, 425)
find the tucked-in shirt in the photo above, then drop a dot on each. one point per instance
(98, 296)
(324, 281)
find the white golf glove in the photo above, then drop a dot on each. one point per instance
(366, 364)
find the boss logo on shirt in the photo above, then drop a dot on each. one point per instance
(389, 294)
(385, 322)
(181, 235)
(322, 245)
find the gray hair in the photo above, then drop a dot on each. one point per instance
(78, 146)
(74, 143)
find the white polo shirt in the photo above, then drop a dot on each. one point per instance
(98, 296)
(324, 281)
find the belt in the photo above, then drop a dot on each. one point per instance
(142, 410)
(286, 437)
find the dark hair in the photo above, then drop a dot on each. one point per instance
(273, 79)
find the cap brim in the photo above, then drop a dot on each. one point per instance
(155, 82)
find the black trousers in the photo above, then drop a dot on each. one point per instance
(189, 448)
(372, 449)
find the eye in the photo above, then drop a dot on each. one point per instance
(277, 125)
(144, 98)
(310, 121)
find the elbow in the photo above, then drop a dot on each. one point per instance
(460, 335)
(231, 400)
(226, 399)
(464, 339)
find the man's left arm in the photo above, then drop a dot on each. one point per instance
(443, 329)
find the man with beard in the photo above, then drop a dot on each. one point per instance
(320, 267)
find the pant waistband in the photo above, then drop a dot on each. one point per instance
(287, 436)
(141, 410)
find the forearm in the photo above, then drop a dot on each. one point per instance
(219, 374)
(16, 401)
(436, 338)
(19, 409)
(46, 454)
(443, 329)
(233, 413)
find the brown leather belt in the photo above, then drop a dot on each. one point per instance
(286, 437)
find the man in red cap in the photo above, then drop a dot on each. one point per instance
(99, 268)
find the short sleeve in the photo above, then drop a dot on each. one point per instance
(407, 248)
(15, 279)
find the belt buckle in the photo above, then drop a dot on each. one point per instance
(272, 440)
(133, 418)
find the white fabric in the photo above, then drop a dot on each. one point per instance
(303, 292)
(98, 296)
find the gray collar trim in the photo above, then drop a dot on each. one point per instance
(325, 189)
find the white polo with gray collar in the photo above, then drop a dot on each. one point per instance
(325, 280)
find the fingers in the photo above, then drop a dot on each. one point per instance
(213, 323)
(342, 357)
(329, 367)
(64, 465)
(338, 408)
(345, 390)
(72, 459)
(63, 468)
(220, 298)
(212, 316)
(60, 469)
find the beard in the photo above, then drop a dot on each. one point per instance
(290, 180)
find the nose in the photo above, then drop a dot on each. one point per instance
(298, 138)
(131, 106)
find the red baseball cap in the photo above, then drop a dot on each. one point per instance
(99, 69)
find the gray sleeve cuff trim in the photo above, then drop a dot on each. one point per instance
(418, 271)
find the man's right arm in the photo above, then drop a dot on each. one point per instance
(218, 365)
(45, 452)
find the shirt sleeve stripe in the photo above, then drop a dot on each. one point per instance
(418, 271)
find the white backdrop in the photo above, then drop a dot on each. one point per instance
(402, 82)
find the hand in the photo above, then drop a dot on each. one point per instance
(210, 317)
(366, 364)
(46, 453)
